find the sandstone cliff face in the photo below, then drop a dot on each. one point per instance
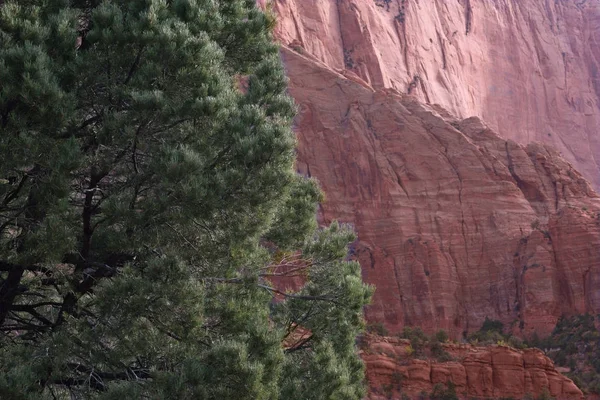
(477, 372)
(459, 218)
(529, 68)
(455, 223)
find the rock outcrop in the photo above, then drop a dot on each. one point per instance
(455, 224)
(529, 68)
(477, 372)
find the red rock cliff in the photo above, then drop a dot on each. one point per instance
(455, 223)
(458, 219)
(529, 68)
(477, 372)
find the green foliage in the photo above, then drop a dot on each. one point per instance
(441, 336)
(148, 208)
(417, 337)
(420, 343)
(388, 390)
(397, 379)
(491, 325)
(491, 332)
(377, 328)
(438, 351)
(516, 342)
(444, 392)
(575, 343)
(545, 395)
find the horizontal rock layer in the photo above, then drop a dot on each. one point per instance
(477, 372)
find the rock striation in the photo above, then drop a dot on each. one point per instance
(529, 68)
(477, 372)
(460, 139)
(455, 224)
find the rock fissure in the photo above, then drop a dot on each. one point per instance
(442, 50)
(460, 191)
(468, 16)
(400, 28)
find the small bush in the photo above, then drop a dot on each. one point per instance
(377, 328)
(492, 325)
(396, 381)
(545, 395)
(388, 390)
(444, 392)
(417, 338)
(438, 351)
(517, 343)
(441, 336)
(489, 333)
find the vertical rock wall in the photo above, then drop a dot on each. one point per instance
(455, 224)
(529, 68)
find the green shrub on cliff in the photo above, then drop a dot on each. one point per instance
(420, 343)
(575, 343)
(145, 203)
(444, 392)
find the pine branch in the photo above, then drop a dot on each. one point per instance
(31, 311)
(6, 267)
(296, 296)
(289, 272)
(98, 379)
(275, 290)
(302, 345)
(135, 64)
(14, 193)
(10, 106)
(88, 209)
(9, 290)
(183, 237)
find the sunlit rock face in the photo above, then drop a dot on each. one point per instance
(455, 223)
(529, 68)
(460, 139)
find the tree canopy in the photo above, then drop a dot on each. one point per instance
(150, 215)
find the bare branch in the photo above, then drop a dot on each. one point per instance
(134, 66)
(297, 296)
(183, 237)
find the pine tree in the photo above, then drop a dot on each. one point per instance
(149, 212)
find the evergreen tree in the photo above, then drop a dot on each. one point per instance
(149, 211)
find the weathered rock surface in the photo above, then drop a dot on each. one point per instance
(455, 224)
(529, 68)
(458, 219)
(477, 372)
